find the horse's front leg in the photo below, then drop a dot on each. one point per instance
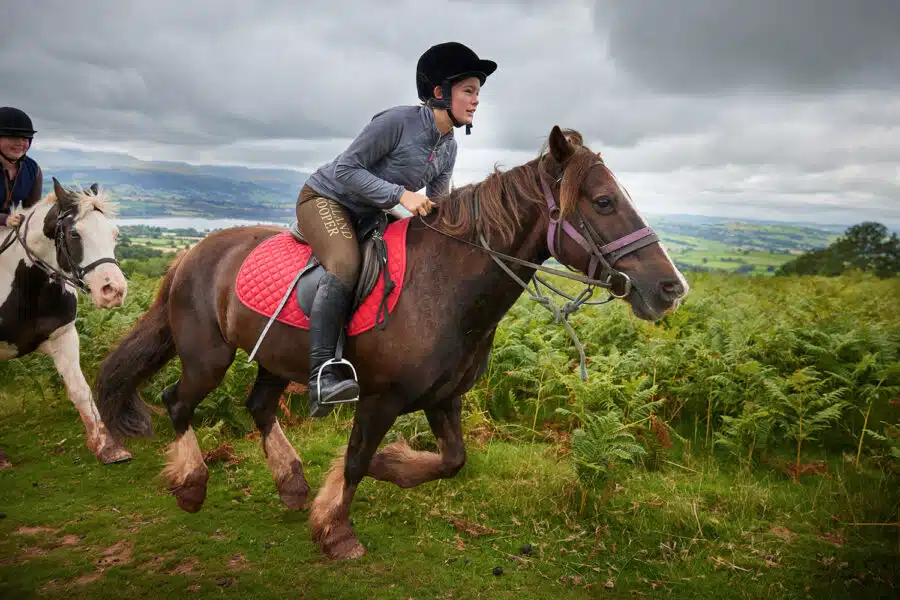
(329, 517)
(63, 347)
(400, 464)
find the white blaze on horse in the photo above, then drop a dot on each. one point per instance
(65, 242)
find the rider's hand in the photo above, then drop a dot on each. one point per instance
(14, 220)
(416, 203)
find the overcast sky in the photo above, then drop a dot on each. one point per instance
(777, 109)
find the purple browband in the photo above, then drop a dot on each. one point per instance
(637, 239)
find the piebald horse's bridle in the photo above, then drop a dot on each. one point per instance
(605, 257)
(20, 234)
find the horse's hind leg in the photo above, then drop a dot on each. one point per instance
(202, 369)
(282, 459)
(406, 467)
(329, 517)
(63, 347)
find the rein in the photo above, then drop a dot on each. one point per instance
(605, 257)
(62, 248)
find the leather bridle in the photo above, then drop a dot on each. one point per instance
(605, 257)
(62, 250)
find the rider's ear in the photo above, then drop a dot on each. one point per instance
(560, 148)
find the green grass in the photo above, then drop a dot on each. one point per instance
(689, 523)
(723, 257)
(697, 527)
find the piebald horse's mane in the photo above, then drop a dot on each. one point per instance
(505, 197)
(88, 200)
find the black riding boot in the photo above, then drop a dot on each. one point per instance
(327, 318)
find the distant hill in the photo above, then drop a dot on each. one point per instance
(172, 189)
(764, 236)
(154, 189)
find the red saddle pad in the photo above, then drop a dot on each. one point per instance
(270, 268)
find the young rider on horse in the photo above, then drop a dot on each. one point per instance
(402, 149)
(22, 178)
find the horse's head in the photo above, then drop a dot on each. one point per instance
(596, 229)
(81, 227)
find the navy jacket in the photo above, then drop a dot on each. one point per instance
(23, 191)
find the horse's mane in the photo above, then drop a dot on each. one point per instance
(87, 201)
(505, 197)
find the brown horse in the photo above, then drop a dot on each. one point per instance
(433, 349)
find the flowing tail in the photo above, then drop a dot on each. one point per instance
(142, 353)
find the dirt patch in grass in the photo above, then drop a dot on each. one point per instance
(70, 540)
(88, 578)
(117, 554)
(34, 530)
(238, 562)
(186, 566)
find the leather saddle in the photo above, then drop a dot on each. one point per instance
(374, 256)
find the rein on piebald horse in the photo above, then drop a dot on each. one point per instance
(605, 257)
(60, 246)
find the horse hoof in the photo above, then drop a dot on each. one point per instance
(114, 454)
(293, 488)
(191, 494)
(345, 551)
(341, 544)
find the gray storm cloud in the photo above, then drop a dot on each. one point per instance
(713, 106)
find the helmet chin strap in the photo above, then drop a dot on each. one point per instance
(11, 160)
(446, 103)
(458, 124)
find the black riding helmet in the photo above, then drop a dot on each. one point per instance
(15, 123)
(445, 64)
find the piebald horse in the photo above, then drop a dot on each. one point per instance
(65, 243)
(565, 203)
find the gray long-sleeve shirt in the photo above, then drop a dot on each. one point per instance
(399, 149)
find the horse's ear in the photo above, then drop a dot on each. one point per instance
(63, 197)
(560, 148)
(95, 189)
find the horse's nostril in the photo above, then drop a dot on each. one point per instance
(108, 290)
(672, 288)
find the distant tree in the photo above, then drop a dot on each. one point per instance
(864, 247)
(136, 252)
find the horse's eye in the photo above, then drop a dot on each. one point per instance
(602, 202)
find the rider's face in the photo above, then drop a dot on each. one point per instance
(464, 94)
(465, 99)
(14, 147)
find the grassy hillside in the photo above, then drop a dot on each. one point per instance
(738, 247)
(746, 446)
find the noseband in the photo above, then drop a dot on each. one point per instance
(607, 256)
(62, 248)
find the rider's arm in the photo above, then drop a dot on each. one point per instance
(36, 190)
(378, 138)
